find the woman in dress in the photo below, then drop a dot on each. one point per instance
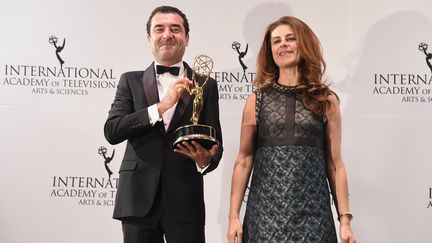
(291, 138)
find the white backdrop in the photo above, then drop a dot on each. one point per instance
(54, 186)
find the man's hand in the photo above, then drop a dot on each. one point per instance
(173, 94)
(196, 152)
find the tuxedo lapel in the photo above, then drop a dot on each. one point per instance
(182, 103)
(150, 85)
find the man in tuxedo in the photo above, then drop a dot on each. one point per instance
(160, 190)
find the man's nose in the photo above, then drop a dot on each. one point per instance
(167, 34)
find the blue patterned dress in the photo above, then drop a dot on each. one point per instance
(289, 199)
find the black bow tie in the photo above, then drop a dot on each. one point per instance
(163, 69)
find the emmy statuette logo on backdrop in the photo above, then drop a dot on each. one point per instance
(53, 41)
(236, 47)
(102, 151)
(203, 134)
(423, 48)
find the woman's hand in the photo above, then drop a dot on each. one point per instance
(346, 234)
(235, 231)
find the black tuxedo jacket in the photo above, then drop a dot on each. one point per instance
(149, 158)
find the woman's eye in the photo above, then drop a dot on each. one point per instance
(291, 39)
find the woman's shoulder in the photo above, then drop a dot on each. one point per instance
(333, 98)
(251, 99)
(333, 107)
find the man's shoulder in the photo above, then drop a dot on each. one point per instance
(138, 73)
(212, 81)
(133, 73)
(131, 76)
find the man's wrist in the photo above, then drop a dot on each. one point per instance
(161, 107)
(201, 167)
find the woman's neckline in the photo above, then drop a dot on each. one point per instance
(286, 88)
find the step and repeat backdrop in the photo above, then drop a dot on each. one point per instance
(60, 62)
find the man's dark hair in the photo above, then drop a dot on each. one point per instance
(165, 10)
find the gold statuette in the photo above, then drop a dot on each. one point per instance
(203, 134)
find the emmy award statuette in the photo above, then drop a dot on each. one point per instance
(203, 134)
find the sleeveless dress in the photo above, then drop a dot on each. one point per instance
(289, 197)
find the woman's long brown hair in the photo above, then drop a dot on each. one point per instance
(313, 92)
